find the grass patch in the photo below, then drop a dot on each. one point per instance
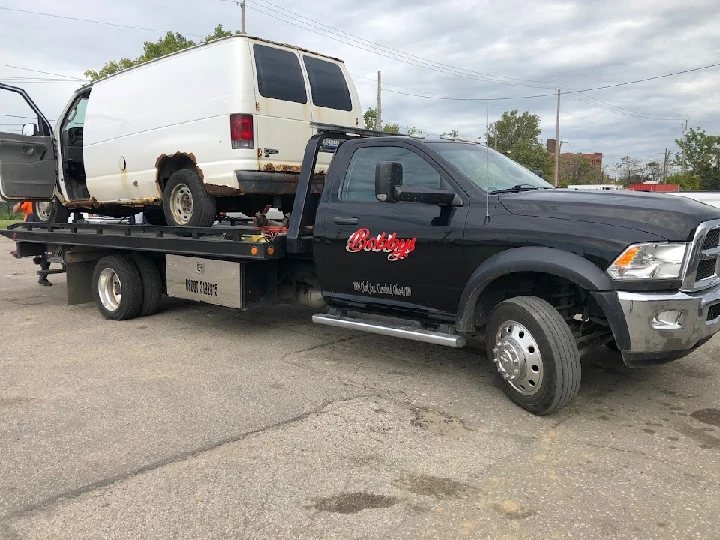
(5, 222)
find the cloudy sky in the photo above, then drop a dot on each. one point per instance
(436, 49)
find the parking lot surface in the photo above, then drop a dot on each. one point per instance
(202, 422)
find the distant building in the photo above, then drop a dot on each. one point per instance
(595, 159)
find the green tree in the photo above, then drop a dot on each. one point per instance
(516, 135)
(577, 169)
(370, 116)
(702, 157)
(686, 182)
(170, 43)
(535, 157)
(452, 133)
(512, 129)
(629, 169)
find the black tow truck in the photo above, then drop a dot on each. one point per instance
(434, 241)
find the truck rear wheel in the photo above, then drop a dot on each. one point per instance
(535, 354)
(117, 288)
(51, 211)
(152, 287)
(186, 202)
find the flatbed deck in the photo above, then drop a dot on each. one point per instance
(235, 241)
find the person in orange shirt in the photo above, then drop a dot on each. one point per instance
(27, 209)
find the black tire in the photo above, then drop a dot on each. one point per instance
(152, 287)
(131, 292)
(551, 378)
(203, 206)
(155, 216)
(51, 212)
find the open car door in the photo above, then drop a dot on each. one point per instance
(28, 170)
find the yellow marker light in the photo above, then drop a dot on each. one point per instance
(254, 250)
(270, 250)
(627, 258)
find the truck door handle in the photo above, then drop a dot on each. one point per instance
(346, 220)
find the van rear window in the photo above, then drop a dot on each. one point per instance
(279, 74)
(327, 84)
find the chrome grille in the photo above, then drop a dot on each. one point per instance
(702, 269)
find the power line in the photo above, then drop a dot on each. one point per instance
(380, 50)
(116, 25)
(44, 72)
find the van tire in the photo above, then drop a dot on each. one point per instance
(52, 211)
(118, 304)
(152, 286)
(186, 202)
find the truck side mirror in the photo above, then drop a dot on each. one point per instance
(539, 173)
(388, 176)
(30, 130)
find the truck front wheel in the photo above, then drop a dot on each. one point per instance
(535, 354)
(117, 288)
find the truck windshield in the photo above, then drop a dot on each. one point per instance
(487, 169)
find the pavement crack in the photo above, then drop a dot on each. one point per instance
(672, 464)
(177, 458)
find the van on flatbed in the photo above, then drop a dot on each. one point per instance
(449, 240)
(219, 127)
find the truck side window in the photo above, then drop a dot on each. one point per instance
(359, 183)
(327, 84)
(279, 74)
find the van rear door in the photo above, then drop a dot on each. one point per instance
(282, 122)
(28, 168)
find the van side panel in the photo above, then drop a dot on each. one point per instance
(179, 104)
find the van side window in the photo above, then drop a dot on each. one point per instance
(279, 74)
(359, 183)
(327, 84)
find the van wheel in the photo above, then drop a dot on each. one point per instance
(152, 287)
(535, 354)
(51, 211)
(186, 201)
(117, 288)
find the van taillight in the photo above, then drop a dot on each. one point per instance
(242, 133)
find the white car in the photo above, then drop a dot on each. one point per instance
(708, 197)
(218, 127)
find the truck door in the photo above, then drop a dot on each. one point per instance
(27, 161)
(398, 255)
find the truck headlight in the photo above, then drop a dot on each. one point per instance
(649, 261)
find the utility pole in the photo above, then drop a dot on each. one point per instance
(378, 115)
(684, 146)
(242, 10)
(665, 165)
(557, 141)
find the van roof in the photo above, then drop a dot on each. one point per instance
(214, 41)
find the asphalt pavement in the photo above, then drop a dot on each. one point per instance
(201, 422)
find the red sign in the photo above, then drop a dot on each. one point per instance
(397, 248)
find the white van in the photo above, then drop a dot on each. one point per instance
(218, 127)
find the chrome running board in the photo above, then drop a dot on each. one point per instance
(398, 331)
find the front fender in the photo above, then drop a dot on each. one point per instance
(544, 260)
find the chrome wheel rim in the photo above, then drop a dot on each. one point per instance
(110, 289)
(181, 204)
(518, 359)
(42, 210)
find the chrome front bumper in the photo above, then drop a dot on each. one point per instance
(654, 329)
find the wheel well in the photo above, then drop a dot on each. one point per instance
(167, 165)
(564, 295)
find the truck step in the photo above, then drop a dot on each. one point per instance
(385, 329)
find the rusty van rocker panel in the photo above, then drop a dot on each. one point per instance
(413, 264)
